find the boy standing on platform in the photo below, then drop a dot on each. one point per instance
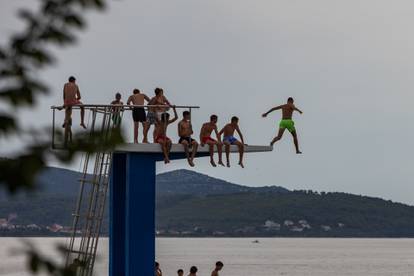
(116, 111)
(138, 113)
(185, 130)
(161, 133)
(205, 138)
(229, 139)
(286, 122)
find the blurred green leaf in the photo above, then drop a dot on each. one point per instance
(50, 6)
(99, 4)
(54, 35)
(40, 56)
(16, 71)
(7, 124)
(31, 163)
(28, 16)
(74, 20)
(34, 263)
(23, 94)
(2, 53)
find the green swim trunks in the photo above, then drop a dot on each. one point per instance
(289, 124)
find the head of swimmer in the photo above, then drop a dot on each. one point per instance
(213, 119)
(158, 91)
(165, 117)
(187, 115)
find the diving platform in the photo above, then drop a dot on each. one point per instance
(128, 172)
(178, 148)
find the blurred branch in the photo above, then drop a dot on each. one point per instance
(55, 23)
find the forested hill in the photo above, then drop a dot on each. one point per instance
(193, 204)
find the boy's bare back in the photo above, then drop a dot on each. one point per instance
(137, 99)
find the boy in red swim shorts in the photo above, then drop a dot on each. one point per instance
(205, 138)
(71, 97)
(161, 138)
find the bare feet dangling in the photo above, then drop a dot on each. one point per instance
(228, 164)
(191, 163)
(221, 163)
(83, 125)
(298, 152)
(213, 163)
(241, 165)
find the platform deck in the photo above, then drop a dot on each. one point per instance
(178, 148)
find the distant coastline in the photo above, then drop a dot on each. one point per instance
(190, 204)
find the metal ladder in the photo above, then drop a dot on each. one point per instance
(90, 207)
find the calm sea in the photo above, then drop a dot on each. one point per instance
(242, 257)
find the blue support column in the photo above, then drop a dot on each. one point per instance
(117, 215)
(132, 213)
(140, 214)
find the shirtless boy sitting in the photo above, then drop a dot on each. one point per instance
(71, 97)
(205, 138)
(138, 113)
(154, 113)
(229, 139)
(185, 130)
(286, 122)
(161, 133)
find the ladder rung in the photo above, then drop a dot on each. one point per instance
(79, 252)
(86, 180)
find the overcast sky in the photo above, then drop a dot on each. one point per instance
(348, 64)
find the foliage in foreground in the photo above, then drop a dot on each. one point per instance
(54, 24)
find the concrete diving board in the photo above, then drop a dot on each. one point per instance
(178, 148)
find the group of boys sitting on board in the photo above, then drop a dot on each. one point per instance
(158, 116)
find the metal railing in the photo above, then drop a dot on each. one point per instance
(104, 108)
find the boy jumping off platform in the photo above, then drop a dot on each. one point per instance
(286, 122)
(229, 139)
(185, 130)
(205, 138)
(161, 133)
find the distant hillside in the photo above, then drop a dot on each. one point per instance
(193, 204)
(298, 213)
(185, 182)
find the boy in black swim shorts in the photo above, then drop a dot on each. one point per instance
(138, 113)
(185, 130)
